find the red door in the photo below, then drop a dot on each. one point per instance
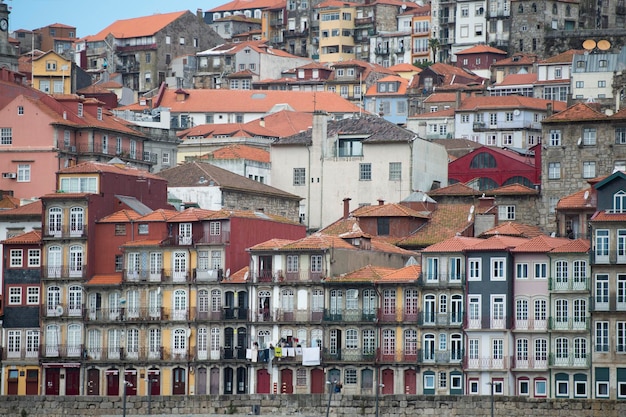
(93, 382)
(410, 386)
(13, 381)
(317, 381)
(32, 382)
(262, 381)
(72, 381)
(388, 381)
(113, 383)
(155, 381)
(52, 381)
(130, 377)
(286, 381)
(179, 387)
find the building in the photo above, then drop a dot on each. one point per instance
(336, 28)
(8, 52)
(479, 59)
(388, 98)
(56, 37)
(141, 49)
(375, 158)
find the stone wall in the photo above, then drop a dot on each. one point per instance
(306, 406)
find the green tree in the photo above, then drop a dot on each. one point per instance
(434, 45)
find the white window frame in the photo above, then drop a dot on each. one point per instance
(498, 269)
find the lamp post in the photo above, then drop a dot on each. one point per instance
(149, 382)
(378, 386)
(330, 395)
(491, 386)
(126, 384)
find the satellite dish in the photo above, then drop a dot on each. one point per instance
(159, 291)
(228, 273)
(586, 196)
(403, 6)
(589, 44)
(553, 234)
(469, 218)
(472, 209)
(516, 112)
(603, 45)
(580, 142)
(59, 310)
(245, 276)
(188, 332)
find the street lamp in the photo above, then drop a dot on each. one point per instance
(126, 384)
(378, 386)
(330, 395)
(491, 385)
(149, 382)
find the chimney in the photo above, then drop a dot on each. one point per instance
(485, 203)
(458, 99)
(346, 207)
(548, 109)
(262, 122)
(199, 13)
(381, 202)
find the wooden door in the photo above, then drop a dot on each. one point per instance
(214, 383)
(93, 382)
(286, 381)
(388, 381)
(262, 381)
(317, 381)
(201, 375)
(72, 381)
(52, 381)
(410, 386)
(179, 381)
(32, 382)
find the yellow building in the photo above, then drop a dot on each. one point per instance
(52, 74)
(336, 31)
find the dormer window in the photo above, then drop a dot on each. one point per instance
(619, 202)
(99, 113)
(349, 147)
(80, 109)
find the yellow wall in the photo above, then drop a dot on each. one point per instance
(49, 67)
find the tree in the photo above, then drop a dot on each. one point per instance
(434, 45)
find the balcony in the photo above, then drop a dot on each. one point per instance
(139, 353)
(608, 257)
(431, 280)
(526, 363)
(503, 125)
(439, 357)
(134, 48)
(569, 324)
(570, 361)
(61, 310)
(486, 363)
(396, 356)
(208, 275)
(396, 314)
(215, 239)
(63, 271)
(362, 21)
(486, 323)
(65, 232)
(22, 354)
(608, 303)
(128, 68)
(381, 51)
(142, 275)
(530, 325)
(349, 315)
(299, 276)
(569, 284)
(126, 314)
(348, 355)
(440, 319)
(61, 351)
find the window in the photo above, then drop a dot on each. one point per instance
(365, 172)
(540, 388)
(165, 160)
(51, 66)
(474, 266)
(316, 263)
(523, 387)
(589, 169)
(589, 137)
(555, 137)
(602, 389)
(350, 376)
(562, 388)
(619, 202)
(602, 84)
(522, 271)
(15, 295)
(6, 136)
(498, 270)
(16, 258)
(181, 40)
(602, 336)
(119, 263)
(299, 176)
(350, 147)
(506, 212)
(143, 229)
(429, 381)
(34, 257)
(32, 296)
(395, 171)
(554, 170)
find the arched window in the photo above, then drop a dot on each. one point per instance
(55, 220)
(518, 179)
(483, 160)
(429, 347)
(568, 10)
(534, 7)
(520, 9)
(77, 220)
(482, 184)
(76, 260)
(180, 342)
(554, 9)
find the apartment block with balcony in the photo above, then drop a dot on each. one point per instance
(608, 307)
(442, 315)
(336, 31)
(21, 334)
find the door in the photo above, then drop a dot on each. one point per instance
(72, 381)
(154, 377)
(388, 381)
(214, 383)
(32, 382)
(410, 386)
(179, 387)
(113, 383)
(53, 375)
(130, 377)
(13, 382)
(93, 382)
(317, 381)
(262, 381)
(286, 381)
(201, 375)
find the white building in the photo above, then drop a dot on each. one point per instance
(363, 158)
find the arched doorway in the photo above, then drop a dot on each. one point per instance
(113, 382)
(286, 381)
(179, 380)
(317, 381)
(410, 385)
(93, 381)
(388, 381)
(201, 375)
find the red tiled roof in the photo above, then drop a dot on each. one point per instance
(387, 210)
(368, 273)
(237, 5)
(579, 111)
(563, 58)
(573, 246)
(401, 90)
(342, 226)
(517, 59)
(238, 277)
(271, 244)
(577, 200)
(159, 215)
(192, 214)
(541, 244)
(440, 98)
(409, 273)
(241, 152)
(603, 216)
(33, 236)
(445, 222)
(122, 216)
(513, 229)
(454, 244)
(105, 279)
(31, 209)
(405, 67)
(453, 189)
(142, 243)
(137, 27)
(498, 242)
(91, 167)
(481, 49)
(475, 103)
(517, 79)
